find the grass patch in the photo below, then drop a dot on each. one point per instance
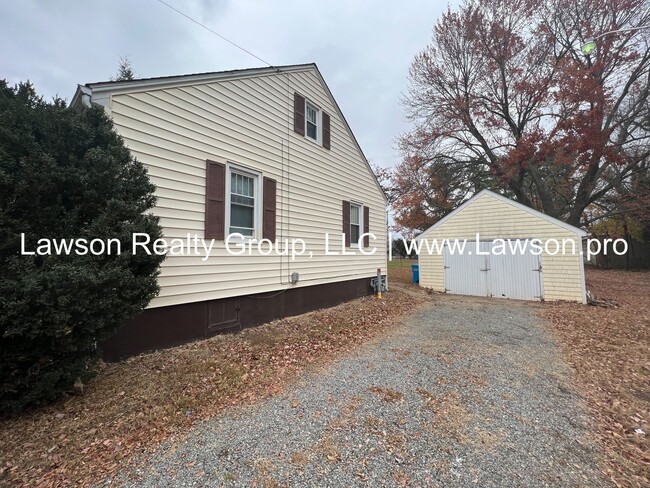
(401, 263)
(608, 350)
(134, 405)
(400, 274)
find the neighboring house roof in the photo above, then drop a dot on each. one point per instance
(208, 77)
(520, 206)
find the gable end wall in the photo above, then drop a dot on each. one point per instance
(492, 218)
(249, 122)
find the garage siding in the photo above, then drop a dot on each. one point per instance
(492, 218)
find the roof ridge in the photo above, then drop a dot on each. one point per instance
(205, 73)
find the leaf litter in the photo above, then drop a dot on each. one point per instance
(609, 350)
(135, 405)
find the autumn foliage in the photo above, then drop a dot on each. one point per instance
(503, 98)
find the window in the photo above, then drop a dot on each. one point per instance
(243, 202)
(311, 121)
(355, 224)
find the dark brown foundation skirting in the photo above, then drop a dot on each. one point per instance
(158, 328)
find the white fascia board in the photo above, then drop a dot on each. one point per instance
(185, 80)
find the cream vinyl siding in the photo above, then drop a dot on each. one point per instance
(249, 122)
(491, 218)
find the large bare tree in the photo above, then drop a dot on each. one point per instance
(503, 98)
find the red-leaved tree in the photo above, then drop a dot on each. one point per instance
(503, 98)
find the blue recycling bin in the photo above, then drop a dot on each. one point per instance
(415, 269)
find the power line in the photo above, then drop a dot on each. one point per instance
(215, 33)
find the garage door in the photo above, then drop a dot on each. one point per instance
(514, 275)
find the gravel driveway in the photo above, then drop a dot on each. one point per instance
(467, 392)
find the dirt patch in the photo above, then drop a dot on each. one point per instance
(346, 419)
(451, 415)
(299, 458)
(608, 349)
(401, 354)
(388, 395)
(329, 448)
(134, 405)
(487, 440)
(264, 467)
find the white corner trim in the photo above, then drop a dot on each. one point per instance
(582, 275)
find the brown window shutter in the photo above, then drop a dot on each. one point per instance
(299, 114)
(268, 217)
(346, 222)
(326, 131)
(215, 200)
(366, 226)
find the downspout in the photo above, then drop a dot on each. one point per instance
(286, 182)
(389, 243)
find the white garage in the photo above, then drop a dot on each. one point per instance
(492, 246)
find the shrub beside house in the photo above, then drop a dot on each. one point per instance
(65, 173)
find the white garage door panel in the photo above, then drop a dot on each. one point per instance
(509, 275)
(515, 276)
(469, 275)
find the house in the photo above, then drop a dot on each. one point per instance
(511, 251)
(262, 153)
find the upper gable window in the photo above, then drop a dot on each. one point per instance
(311, 122)
(356, 223)
(312, 125)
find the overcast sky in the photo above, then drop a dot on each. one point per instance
(363, 48)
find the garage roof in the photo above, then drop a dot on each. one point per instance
(520, 206)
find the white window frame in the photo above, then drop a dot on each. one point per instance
(257, 192)
(355, 244)
(319, 122)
